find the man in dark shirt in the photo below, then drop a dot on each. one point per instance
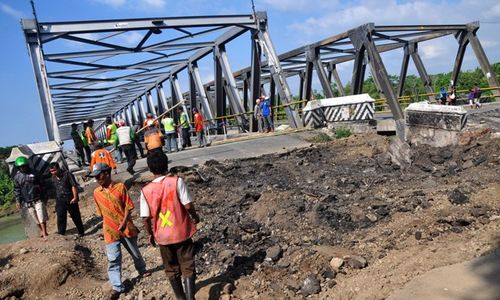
(30, 194)
(66, 199)
(77, 140)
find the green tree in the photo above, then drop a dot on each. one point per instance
(6, 186)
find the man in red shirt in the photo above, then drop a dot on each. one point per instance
(198, 127)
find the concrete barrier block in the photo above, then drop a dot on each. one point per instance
(422, 114)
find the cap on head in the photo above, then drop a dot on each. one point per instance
(99, 168)
(21, 161)
(195, 110)
(257, 101)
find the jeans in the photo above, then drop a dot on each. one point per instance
(268, 123)
(171, 138)
(114, 253)
(201, 138)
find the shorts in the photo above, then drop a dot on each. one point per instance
(38, 212)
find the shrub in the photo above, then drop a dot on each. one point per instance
(320, 138)
(342, 132)
(6, 187)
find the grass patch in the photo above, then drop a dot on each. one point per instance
(320, 138)
(342, 132)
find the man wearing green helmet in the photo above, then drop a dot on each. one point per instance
(29, 193)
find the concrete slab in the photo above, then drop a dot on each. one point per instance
(478, 279)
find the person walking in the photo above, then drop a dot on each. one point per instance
(257, 114)
(29, 193)
(185, 127)
(199, 128)
(86, 147)
(125, 136)
(101, 155)
(78, 142)
(112, 138)
(90, 134)
(170, 219)
(169, 126)
(137, 138)
(66, 199)
(114, 205)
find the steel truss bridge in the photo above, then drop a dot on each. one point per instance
(100, 74)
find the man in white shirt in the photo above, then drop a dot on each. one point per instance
(125, 140)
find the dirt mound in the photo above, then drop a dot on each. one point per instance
(336, 220)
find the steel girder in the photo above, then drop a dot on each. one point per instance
(76, 85)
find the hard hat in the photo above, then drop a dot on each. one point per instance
(21, 161)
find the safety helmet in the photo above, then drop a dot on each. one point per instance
(21, 161)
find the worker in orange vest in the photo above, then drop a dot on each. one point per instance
(170, 219)
(151, 120)
(101, 155)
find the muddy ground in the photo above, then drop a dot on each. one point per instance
(336, 220)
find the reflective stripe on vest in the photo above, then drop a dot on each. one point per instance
(171, 222)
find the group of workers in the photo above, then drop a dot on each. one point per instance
(165, 204)
(127, 139)
(450, 97)
(166, 208)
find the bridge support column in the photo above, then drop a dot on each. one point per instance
(162, 101)
(276, 71)
(312, 55)
(332, 72)
(232, 92)
(198, 85)
(361, 38)
(150, 104)
(404, 71)
(426, 79)
(42, 83)
(177, 96)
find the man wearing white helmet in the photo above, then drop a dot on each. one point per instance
(125, 140)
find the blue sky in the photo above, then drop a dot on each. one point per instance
(292, 23)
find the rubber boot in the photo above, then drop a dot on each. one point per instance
(189, 288)
(177, 288)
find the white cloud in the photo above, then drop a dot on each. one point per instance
(152, 4)
(112, 3)
(295, 5)
(11, 11)
(434, 49)
(131, 38)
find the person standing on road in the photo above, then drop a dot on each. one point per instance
(265, 105)
(114, 205)
(185, 127)
(66, 199)
(170, 219)
(151, 120)
(257, 114)
(169, 126)
(29, 193)
(199, 128)
(77, 141)
(125, 136)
